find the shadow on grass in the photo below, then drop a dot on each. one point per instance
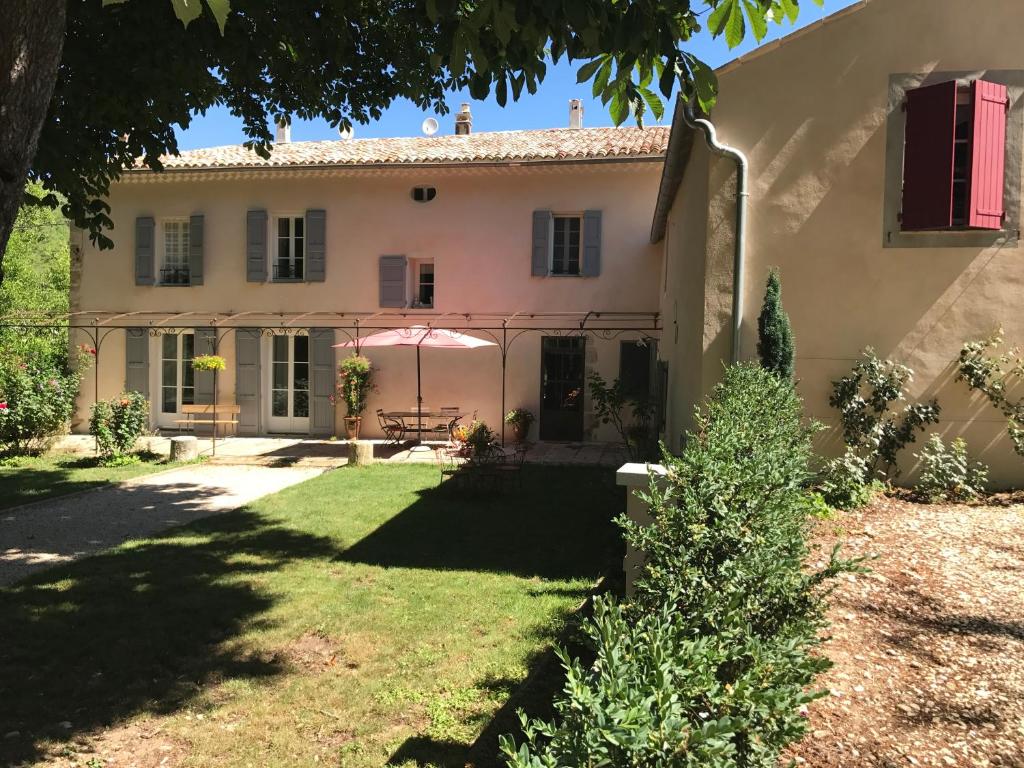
(136, 630)
(534, 696)
(28, 479)
(549, 529)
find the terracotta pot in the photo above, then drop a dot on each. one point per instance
(352, 425)
(518, 431)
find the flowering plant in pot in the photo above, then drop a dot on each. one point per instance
(355, 382)
(208, 363)
(520, 420)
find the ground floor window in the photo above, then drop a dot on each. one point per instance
(289, 383)
(177, 378)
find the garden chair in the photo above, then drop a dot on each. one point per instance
(449, 464)
(393, 429)
(450, 417)
(510, 470)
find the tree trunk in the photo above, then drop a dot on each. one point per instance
(31, 41)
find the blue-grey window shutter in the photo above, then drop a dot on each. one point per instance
(591, 243)
(205, 342)
(195, 250)
(321, 342)
(316, 245)
(247, 380)
(136, 373)
(543, 236)
(145, 258)
(392, 281)
(256, 246)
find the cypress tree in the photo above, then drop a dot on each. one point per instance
(774, 334)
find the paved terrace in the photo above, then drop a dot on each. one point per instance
(326, 454)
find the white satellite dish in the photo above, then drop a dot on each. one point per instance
(429, 126)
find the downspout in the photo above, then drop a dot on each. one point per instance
(739, 257)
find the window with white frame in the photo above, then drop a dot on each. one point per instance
(565, 251)
(290, 251)
(174, 262)
(423, 284)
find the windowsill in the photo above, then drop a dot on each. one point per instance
(288, 280)
(565, 274)
(173, 285)
(951, 238)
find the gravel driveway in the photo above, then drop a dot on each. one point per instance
(36, 536)
(929, 646)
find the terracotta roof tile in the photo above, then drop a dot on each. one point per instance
(493, 147)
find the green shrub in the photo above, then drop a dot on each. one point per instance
(631, 416)
(355, 382)
(37, 400)
(845, 482)
(117, 424)
(947, 474)
(994, 375)
(712, 662)
(774, 334)
(873, 425)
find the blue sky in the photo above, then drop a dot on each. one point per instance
(548, 108)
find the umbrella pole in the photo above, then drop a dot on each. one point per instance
(419, 399)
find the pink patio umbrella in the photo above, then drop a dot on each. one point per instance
(419, 336)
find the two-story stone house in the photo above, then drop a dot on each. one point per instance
(523, 237)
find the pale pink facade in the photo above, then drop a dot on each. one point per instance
(477, 234)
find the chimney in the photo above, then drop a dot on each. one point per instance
(575, 113)
(283, 134)
(464, 121)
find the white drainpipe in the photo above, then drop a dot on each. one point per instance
(711, 138)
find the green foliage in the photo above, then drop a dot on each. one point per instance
(712, 664)
(355, 382)
(117, 424)
(37, 399)
(995, 375)
(947, 474)
(208, 363)
(346, 63)
(873, 425)
(36, 282)
(631, 416)
(774, 334)
(480, 438)
(846, 482)
(520, 416)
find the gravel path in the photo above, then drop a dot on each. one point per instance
(929, 646)
(36, 536)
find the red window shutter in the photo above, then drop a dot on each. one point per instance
(928, 157)
(988, 155)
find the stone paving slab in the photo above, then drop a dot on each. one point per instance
(41, 534)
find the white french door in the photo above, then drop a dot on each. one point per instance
(177, 386)
(288, 384)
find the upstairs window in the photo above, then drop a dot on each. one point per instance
(174, 264)
(290, 254)
(955, 157)
(423, 282)
(565, 252)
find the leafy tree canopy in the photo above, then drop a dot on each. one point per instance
(130, 72)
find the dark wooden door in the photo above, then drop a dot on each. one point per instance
(562, 370)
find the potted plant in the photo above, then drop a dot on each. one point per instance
(208, 363)
(355, 381)
(520, 420)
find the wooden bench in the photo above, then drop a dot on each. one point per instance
(210, 414)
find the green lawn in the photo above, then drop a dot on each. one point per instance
(362, 618)
(31, 478)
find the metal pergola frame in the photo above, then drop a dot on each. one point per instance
(504, 329)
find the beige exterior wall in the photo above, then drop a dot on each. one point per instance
(477, 231)
(812, 115)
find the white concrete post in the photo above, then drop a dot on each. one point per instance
(636, 477)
